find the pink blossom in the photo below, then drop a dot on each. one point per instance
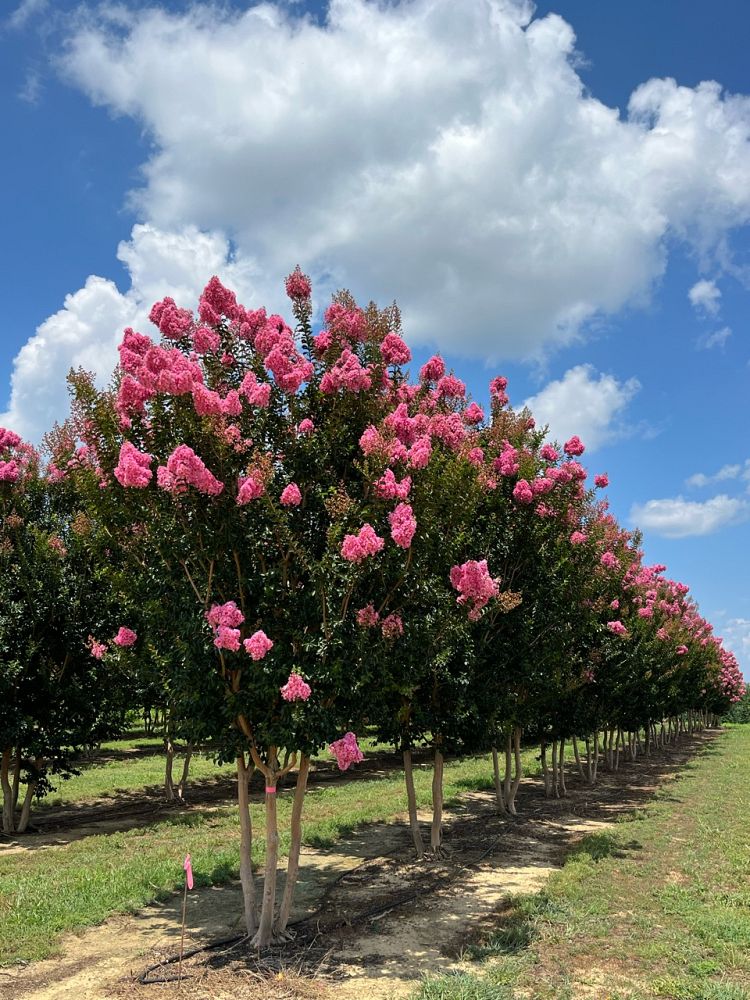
(448, 428)
(497, 390)
(403, 525)
(574, 446)
(172, 322)
(419, 454)
(346, 751)
(295, 689)
(507, 463)
(681, 650)
(473, 414)
(541, 486)
(615, 604)
(548, 453)
(609, 560)
(355, 548)
(291, 496)
(394, 351)
(476, 456)
(346, 324)
(206, 401)
(392, 626)
(227, 638)
(601, 480)
(9, 471)
(205, 340)
(389, 488)
(96, 648)
(257, 393)
(227, 614)
(323, 342)
(250, 488)
(367, 616)
(184, 468)
(617, 628)
(450, 387)
(578, 538)
(8, 439)
(132, 396)
(475, 585)
(133, 467)
(433, 370)
(371, 440)
(305, 426)
(522, 492)
(125, 637)
(646, 612)
(57, 546)
(347, 373)
(258, 645)
(298, 285)
(217, 301)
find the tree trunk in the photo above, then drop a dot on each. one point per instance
(244, 773)
(510, 799)
(9, 805)
(508, 780)
(555, 776)
(411, 796)
(545, 769)
(561, 769)
(264, 934)
(185, 772)
(498, 783)
(23, 822)
(589, 763)
(577, 756)
(292, 868)
(596, 757)
(168, 782)
(436, 831)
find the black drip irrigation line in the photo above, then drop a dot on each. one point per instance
(145, 978)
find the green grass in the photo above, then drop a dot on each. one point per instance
(658, 908)
(102, 780)
(48, 891)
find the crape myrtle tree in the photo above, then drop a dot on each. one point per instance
(236, 446)
(57, 692)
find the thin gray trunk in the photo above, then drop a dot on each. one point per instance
(411, 796)
(436, 831)
(498, 782)
(244, 774)
(292, 868)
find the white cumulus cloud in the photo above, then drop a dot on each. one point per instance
(444, 154)
(679, 518)
(705, 296)
(727, 472)
(585, 403)
(86, 331)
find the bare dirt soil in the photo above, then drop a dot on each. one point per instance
(370, 921)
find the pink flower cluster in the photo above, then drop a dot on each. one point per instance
(522, 492)
(355, 548)
(394, 351)
(367, 617)
(617, 628)
(389, 488)
(172, 321)
(225, 620)
(601, 480)
(574, 446)
(392, 626)
(250, 487)
(474, 584)
(183, 469)
(125, 637)
(291, 496)
(403, 525)
(96, 648)
(295, 689)
(346, 751)
(347, 373)
(298, 285)
(133, 468)
(258, 645)
(578, 538)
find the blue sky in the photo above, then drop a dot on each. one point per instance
(553, 194)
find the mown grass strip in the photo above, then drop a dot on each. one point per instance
(658, 908)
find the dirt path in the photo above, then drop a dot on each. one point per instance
(371, 920)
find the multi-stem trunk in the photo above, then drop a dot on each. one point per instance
(500, 799)
(436, 830)
(9, 803)
(185, 772)
(244, 772)
(292, 868)
(555, 776)
(545, 770)
(577, 756)
(411, 796)
(561, 770)
(510, 798)
(169, 762)
(264, 935)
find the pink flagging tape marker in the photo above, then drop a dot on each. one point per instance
(270, 790)
(188, 872)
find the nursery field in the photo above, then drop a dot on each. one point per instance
(636, 888)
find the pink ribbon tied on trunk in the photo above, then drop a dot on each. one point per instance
(188, 872)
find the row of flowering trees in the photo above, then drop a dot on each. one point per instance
(299, 540)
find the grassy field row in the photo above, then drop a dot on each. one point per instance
(660, 908)
(46, 892)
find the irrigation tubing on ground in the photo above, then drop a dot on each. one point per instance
(146, 979)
